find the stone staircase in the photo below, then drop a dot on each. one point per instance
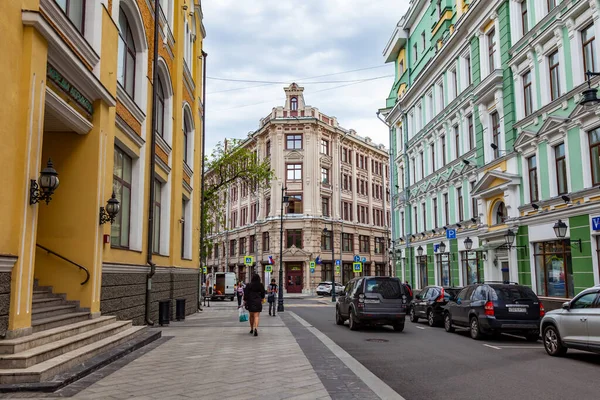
(63, 338)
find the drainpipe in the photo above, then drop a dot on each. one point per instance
(202, 208)
(152, 166)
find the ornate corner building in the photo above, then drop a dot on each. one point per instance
(495, 163)
(334, 179)
(78, 85)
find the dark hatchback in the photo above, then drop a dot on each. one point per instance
(494, 308)
(429, 304)
(374, 300)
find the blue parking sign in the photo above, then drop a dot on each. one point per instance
(451, 234)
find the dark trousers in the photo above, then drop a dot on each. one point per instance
(272, 306)
(239, 297)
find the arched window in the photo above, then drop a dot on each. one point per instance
(126, 56)
(294, 103)
(186, 130)
(501, 213)
(160, 110)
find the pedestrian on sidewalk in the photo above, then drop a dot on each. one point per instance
(272, 296)
(240, 292)
(254, 295)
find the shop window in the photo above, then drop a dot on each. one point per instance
(444, 271)
(423, 276)
(472, 270)
(554, 268)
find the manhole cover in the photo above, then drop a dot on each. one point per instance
(378, 340)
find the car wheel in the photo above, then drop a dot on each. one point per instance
(353, 325)
(430, 318)
(475, 329)
(552, 342)
(413, 315)
(532, 336)
(448, 323)
(338, 317)
(399, 326)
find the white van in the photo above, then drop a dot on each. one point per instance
(223, 286)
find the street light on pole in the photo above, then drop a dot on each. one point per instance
(284, 201)
(332, 262)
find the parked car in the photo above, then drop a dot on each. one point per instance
(376, 300)
(324, 288)
(494, 308)
(576, 325)
(429, 304)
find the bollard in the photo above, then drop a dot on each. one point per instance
(164, 312)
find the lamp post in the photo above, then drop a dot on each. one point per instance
(284, 201)
(333, 298)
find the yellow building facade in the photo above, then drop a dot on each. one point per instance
(78, 89)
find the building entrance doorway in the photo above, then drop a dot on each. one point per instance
(294, 282)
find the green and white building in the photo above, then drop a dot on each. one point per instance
(491, 149)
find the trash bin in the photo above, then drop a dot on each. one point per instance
(180, 309)
(164, 312)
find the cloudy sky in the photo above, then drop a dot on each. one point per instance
(297, 40)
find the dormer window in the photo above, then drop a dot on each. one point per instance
(294, 104)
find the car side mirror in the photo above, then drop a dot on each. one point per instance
(566, 305)
(418, 297)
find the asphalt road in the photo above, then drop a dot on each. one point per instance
(429, 363)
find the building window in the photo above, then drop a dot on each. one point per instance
(326, 240)
(75, 11)
(594, 139)
(186, 132)
(325, 175)
(491, 36)
(324, 146)
(435, 213)
(446, 210)
(327, 272)
(294, 104)
(588, 41)
(422, 161)
(469, 77)
(268, 148)
(553, 65)
(471, 268)
(232, 244)
(459, 196)
(183, 242)
(457, 141)
(126, 55)
(295, 204)
(244, 216)
(445, 274)
(325, 206)
(363, 242)
(474, 211)
(294, 172)
(527, 93)
(265, 241)
(501, 213)
(443, 139)
(378, 245)
(217, 250)
(253, 244)
(524, 20)
(347, 211)
(422, 264)
(561, 168)
(401, 68)
(160, 110)
(496, 133)
(119, 230)
(294, 238)
(347, 242)
(416, 225)
(415, 52)
(423, 40)
(424, 216)
(156, 217)
(268, 206)
(551, 4)
(554, 268)
(532, 174)
(471, 132)
(432, 150)
(242, 246)
(293, 142)
(454, 78)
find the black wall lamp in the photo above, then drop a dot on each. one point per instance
(419, 251)
(509, 239)
(589, 97)
(560, 230)
(109, 213)
(48, 182)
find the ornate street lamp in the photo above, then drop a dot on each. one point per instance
(48, 182)
(589, 97)
(509, 238)
(468, 243)
(442, 247)
(560, 230)
(109, 213)
(284, 202)
(419, 251)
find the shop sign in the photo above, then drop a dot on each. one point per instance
(69, 89)
(596, 223)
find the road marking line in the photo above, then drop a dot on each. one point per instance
(522, 347)
(419, 327)
(379, 387)
(492, 347)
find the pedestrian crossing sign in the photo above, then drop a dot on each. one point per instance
(268, 268)
(204, 270)
(357, 267)
(312, 265)
(248, 260)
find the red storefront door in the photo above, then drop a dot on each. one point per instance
(294, 282)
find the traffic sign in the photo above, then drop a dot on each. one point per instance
(248, 260)
(312, 270)
(337, 268)
(312, 265)
(451, 234)
(268, 268)
(357, 258)
(357, 267)
(337, 262)
(363, 260)
(205, 270)
(596, 223)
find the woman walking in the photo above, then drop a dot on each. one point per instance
(240, 293)
(271, 297)
(254, 293)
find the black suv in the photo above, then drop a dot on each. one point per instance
(493, 308)
(373, 300)
(430, 304)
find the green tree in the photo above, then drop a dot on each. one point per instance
(229, 164)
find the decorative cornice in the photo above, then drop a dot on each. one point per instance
(130, 104)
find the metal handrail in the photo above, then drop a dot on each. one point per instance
(87, 273)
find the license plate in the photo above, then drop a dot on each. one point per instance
(517, 309)
(371, 301)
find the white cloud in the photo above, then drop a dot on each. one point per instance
(285, 40)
